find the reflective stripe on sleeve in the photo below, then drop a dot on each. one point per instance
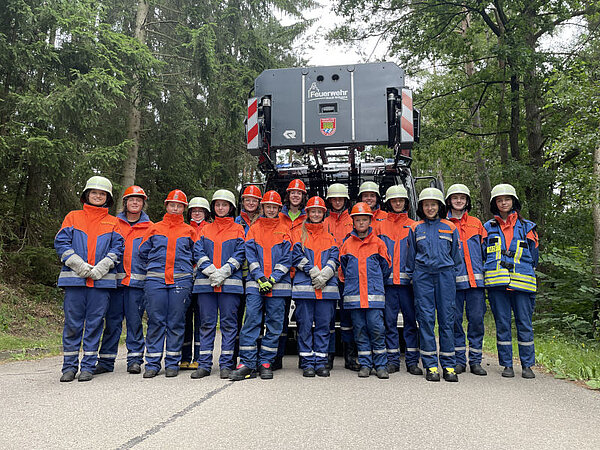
(253, 266)
(282, 268)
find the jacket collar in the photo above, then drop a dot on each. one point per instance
(315, 228)
(173, 219)
(397, 217)
(368, 236)
(510, 220)
(96, 212)
(144, 219)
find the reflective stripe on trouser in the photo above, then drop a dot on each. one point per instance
(522, 304)
(435, 292)
(113, 325)
(369, 335)
(215, 307)
(473, 301)
(400, 298)
(135, 305)
(346, 333)
(189, 351)
(273, 309)
(83, 306)
(313, 342)
(284, 332)
(166, 307)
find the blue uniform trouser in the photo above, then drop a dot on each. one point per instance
(347, 334)
(473, 301)
(284, 332)
(129, 303)
(313, 345)
(166, 307)
(273, 309)
(369, 334)
(215, 307)
(84, 307)
(435, 291)
(191, 338)
(522, 304)
(400, 298)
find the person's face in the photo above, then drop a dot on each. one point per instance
(96, 197)
(134, 204)
(222, 208)
(175, 207)
(337, 203)
(361, 223)
(197, 214)
(504, 203)
(397, 204)
(295, 196)
(370, 198)
(430, 208)
(270, 210)
(316, 215)
(250, 204)
(458, 201)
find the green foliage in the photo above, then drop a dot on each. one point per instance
(38, 264)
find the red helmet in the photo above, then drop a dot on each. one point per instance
(252, 191)
(134, 191)
(297, 184)
(316, 202)
(361, 209)
(177, 196)
(271, 197)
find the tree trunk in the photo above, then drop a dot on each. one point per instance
(596, 254)
(135, 115)
(515, 118)
(501, 124)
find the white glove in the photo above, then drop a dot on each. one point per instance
(78, 265)
(217, 278)
(102, 268)
(210, 269)
(320, 281)
(313, 272)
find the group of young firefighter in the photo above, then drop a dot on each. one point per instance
(242, 273)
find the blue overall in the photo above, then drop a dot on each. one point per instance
(257, 307)
(166, 306)
(211, 306)
(84, 308)
(400, 298)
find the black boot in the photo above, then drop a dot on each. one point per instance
(98, 370)
(450, 375)
(364, 372)
(199, 373)
(171, 372)
(432, 374)
(382, 373)
(414, 370)
(476, 369)
(322, 372)
(242, 372)
(527, 373)
(265, 371)
(508, 372)
(277, 364)
(309, 372)
(68, 376)
(350, 357)
(330, 358)
(85, 376)
(460, 368)
(392, 368)
(134, 368)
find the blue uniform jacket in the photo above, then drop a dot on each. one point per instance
(433, 247)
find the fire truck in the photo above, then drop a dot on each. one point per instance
(318, 124)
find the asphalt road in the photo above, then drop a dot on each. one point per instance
(120, 410)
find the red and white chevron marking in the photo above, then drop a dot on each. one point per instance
(406, 122)
(252, 127)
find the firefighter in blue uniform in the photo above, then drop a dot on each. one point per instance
(90, 246)
(510, 244)
(470, 295)
(433, 258)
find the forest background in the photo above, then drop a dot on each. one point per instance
(153, 92)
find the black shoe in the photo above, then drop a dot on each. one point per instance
(277, 364)
(460, 368)
(242, 372)
(200, 373)
(171, 373)
(323, 371)
(450, 375)
(382, 373)
(265, 371)
(432, 374)
(224, 373)
(350, 357)
(392, 368)
(527, 373)
(134, 368)
(68, 376)
(99, 370)
(508, 372)
(309, 372)
(85, 376)
(414, 370)
(364, 372)
(150, 373)
(330, 359)
(476, 369)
